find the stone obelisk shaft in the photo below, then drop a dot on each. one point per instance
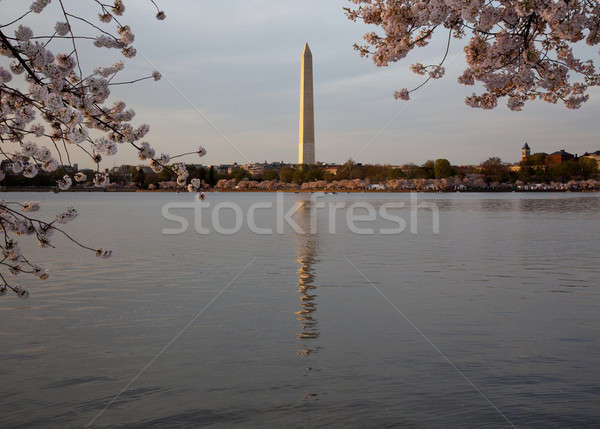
(306, 147)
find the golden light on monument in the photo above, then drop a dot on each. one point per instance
(306, 146)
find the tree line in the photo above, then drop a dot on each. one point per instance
(492, 170)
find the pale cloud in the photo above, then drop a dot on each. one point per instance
(237, 61)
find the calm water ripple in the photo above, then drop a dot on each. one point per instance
(508, 291)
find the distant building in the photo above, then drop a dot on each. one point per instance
(226, 168)
(257, 168)
(330, 168)
(254, 169)
(123, 174)
(559, 157)
(541, 158)
(145, 169)
(525, 152)
(595, 155)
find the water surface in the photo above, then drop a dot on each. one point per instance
(494, 321)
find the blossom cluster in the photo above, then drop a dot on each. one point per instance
(15, 223)
(49, 109)
(518, 50)
(470, 182)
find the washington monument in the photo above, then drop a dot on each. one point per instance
(306, 146)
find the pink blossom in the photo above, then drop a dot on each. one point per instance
(519, 51)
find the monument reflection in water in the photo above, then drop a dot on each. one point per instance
(307, 250)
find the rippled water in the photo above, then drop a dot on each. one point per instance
(492, 322)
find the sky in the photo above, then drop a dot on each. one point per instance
(231, 72)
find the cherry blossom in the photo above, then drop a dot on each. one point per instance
(50, 109)
(517, 50)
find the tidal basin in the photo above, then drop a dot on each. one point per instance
(491, 321)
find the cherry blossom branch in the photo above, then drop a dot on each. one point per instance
(131, 81)
(16, 20)
(517, 49)
(51, 94)
(404, 94)
(48, 225)
(18, 57)
(62, 6)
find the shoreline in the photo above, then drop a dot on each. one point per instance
(298, 191)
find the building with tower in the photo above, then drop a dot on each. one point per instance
(543, 158)
(525, 152)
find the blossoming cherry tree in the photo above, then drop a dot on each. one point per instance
(50, 109)
(517, 50)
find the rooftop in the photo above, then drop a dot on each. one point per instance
(562, 152)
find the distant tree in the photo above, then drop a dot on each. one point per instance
(376, 175)
(270, 175)
(442, 169)
(151, 179)
(140, 178)
(298, 176)
(197, 172)
(166, 176)
(239, 174)
(571, 170)
(588, 168)
(116, 178)
(346, 170)
(287, 174)
(310, 173)
(395, 173)
(415, 172)
(429, 169)
(328, 176)
(43, 178)
(212, 178)
(462, 172)
(494, 170)
(526, 173)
